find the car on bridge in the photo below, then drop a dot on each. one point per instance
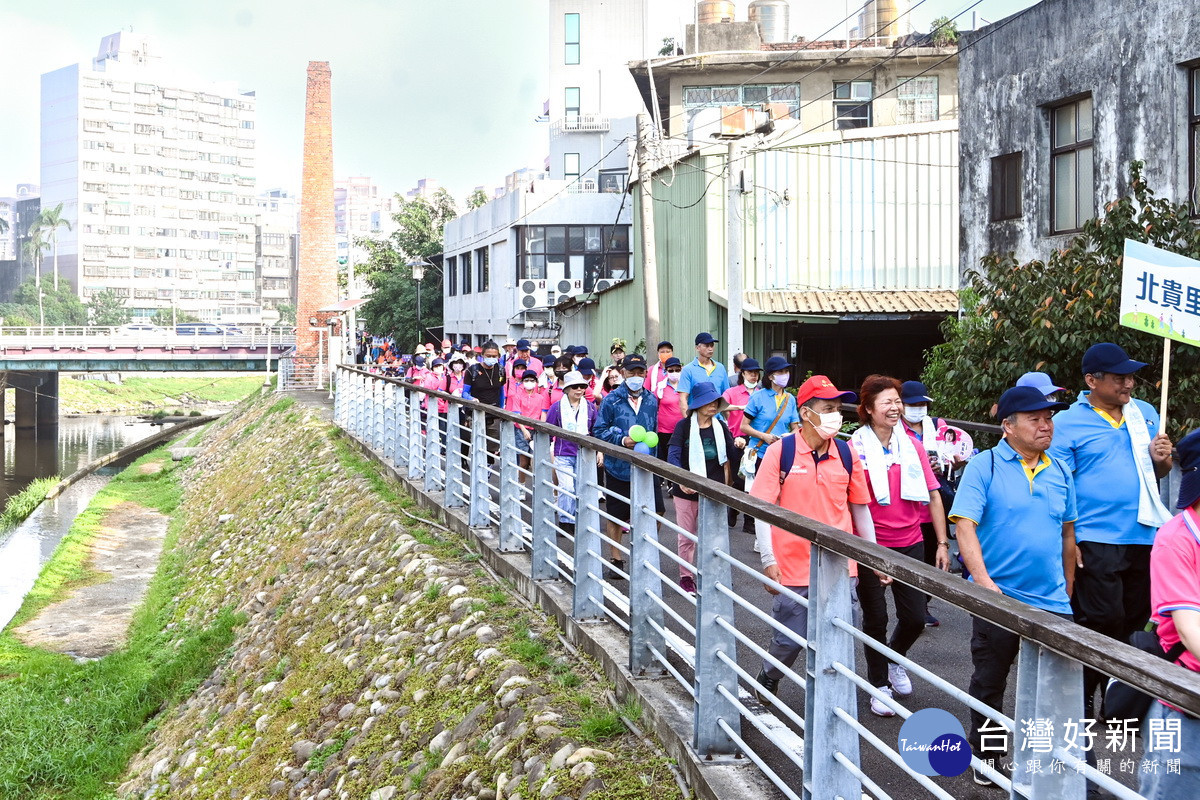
(199, 329)
(137, 328)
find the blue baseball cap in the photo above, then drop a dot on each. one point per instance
(750, 365)
(705, 338)
(1189, 463)
(523, 344)
(1025, 398)
(704, 393)
(672, 362)
(1108, 357)
(774, 364)
(913, 392)
(1040, 381)
(587, 366)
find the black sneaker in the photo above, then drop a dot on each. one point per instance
(611, 574)
(768, 683)
(748, 525)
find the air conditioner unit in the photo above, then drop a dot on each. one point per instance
(604, 283)
(534, 293)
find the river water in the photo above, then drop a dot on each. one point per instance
(80, 441)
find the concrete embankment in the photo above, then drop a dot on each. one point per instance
(378, 659)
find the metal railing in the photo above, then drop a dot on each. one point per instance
(14, 341)
(471, 454)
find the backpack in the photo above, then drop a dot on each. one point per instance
(787, 456)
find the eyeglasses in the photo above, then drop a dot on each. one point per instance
(674, 371)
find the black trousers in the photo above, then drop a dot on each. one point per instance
(993, 651)
(910, 615)
(1112, 596)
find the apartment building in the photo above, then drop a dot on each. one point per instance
(156, 174)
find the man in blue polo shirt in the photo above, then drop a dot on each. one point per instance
(702, 369)
(1116, 450)
(1014, 518)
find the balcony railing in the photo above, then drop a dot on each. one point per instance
(582, 123)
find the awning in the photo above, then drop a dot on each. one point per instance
(342, 305)
(843, 303)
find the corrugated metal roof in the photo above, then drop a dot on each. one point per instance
(850, 301)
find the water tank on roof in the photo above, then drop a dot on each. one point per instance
(772, 19)
(711, 11)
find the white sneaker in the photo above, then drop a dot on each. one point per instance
(756, 545)
(898, 678)
(878, 708)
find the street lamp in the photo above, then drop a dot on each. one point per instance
(417, 265)
(269, 317)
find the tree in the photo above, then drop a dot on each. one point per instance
(57, 307)
(108, 308)
(1044, 315)
(668, 46)
(476, 199)
(287, 313)
(392, 308)
(944, 31)
(48, 223)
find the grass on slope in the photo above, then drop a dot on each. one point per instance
(68, 730)
(89, 396)
(22, 504)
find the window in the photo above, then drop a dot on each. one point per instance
(570, 166)
(698, 97)
(571, 102)
(465, 260)
(1194, 138)
(613, 180)
(1072, 193)
(1006, 187)
(572, 38)
(482, 278)
(581, 254)
(452, 276)
(917, 100)
(852, 104)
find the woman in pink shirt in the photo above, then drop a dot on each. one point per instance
(902, 483)
(669, 412)
(528, 400)
(749, 377)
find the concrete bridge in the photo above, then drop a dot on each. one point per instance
(32, 358)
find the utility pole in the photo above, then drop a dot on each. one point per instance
(646, 221)
(734, 251)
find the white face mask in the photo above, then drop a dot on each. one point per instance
(915, 414)
(750, 383)
(529, 385)
(673, 377)
(782, 379)
(827, 425)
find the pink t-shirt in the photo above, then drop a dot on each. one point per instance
(898, 524)
(669, 414)
(530, 404)
(736, 396)
(1175, 578)
(915, 435)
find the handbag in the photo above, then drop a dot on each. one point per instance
(750, 458)
(1122, 701)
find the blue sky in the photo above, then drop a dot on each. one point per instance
(445, 90)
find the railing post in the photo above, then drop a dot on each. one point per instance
(360, 405)
(825, 690)
(588, 599)
(403, 444)
(434, 477)
(542, 498)
(416, 464)
(711, 673)
(481, 487)
(644, 585)
(454, 459)
(389, 424)
(1050, 687)
(510, 509)
(377, 388)
(339, 401)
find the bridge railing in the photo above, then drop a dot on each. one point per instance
(14, 340)
(558, 513)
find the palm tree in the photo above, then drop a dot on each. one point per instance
(34, 248)
(50, 220)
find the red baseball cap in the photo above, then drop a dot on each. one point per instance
(819, 387)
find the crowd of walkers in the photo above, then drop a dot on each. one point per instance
(1063, 514)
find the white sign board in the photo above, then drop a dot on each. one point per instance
(1160, 293)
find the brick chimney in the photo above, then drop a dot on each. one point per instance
(317, 270)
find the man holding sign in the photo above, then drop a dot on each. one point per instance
(1115, 448)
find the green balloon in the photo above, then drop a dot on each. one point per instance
(651, 439)
(637, 433)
